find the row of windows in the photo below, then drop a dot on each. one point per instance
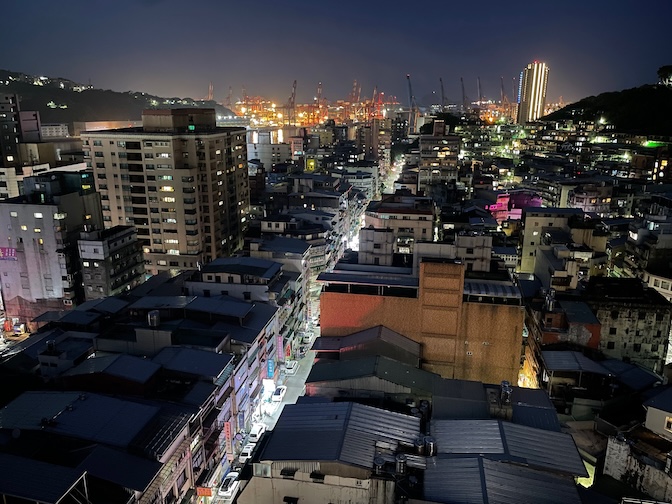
(637, 347)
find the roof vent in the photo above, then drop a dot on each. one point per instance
(378, 463)
(505, 391)
(430, 446)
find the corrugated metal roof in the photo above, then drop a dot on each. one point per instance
(455, 481)
(382, 367)
(346, 432)
(475, 480)
(254, 266)
(571, 361)
(368, 279)
(368, 426)
(109, 304)
(34, 480)
(467, 436)
(220, 305)
(379, 332)
(543, 448)
(459, 399)
(506, 441)
(124, 366)
(662, 400)
(533, 407)
(192, 361)
(79, 317)
(81, 415)
(532, 416)
(511, 484)
(632, 376)
(120, 468)
(491, 288)
(578, 312)
(162, 302)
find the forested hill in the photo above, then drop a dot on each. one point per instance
(61, 100)
(644, 110)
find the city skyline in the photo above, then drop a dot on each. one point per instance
(135, 46)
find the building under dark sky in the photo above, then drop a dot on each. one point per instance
(174, 48)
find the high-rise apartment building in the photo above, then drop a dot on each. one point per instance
(532, 92)
(179, 179)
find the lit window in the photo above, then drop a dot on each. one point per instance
(37, 215)
(40, 241)
(86, 264)
(13, 214)
(169, 199)
(95, 264)
(173, 252)
(37, 230)
(24, 228)
(10, 159)
(668, 424)
(167, 188)
(171, 240)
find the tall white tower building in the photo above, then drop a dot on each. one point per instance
(532, 92)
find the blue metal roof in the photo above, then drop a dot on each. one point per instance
(571, 361)
(662, 400)
(506, 441)
(345, 432)
(94, 417)
(192, 361)
(36, 481)
(121, 468)
(476, 480)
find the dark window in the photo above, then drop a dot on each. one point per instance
(614, 314)
(637, 347)
(654, 348)
(247, 295)
(642, 315)
(610, 345)
(612, 331)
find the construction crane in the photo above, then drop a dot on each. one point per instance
(291, 107)
(480, 93)
(229, 97)
(465, 98)
(443, 96)
(413, 107)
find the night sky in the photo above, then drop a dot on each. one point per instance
(175, 48)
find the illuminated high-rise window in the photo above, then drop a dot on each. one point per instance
(532, 92)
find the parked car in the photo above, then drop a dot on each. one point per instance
(291, 367)
(229, 485)
(256, 432)
(279, 393)
(246, 453)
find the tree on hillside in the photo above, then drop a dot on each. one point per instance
(665, 75)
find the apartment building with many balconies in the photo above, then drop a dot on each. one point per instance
(179, 179)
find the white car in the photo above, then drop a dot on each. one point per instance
(246, 453)
(256, 432)
(279, 393)
(291, 367)
(229, 486)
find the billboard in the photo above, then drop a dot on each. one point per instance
(7, 254)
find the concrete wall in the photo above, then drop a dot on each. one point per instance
(446, 327)
(334, 490)
(656, 420)
(620, 464)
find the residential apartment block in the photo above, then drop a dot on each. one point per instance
(179, 179)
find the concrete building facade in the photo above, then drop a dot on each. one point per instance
(179, 179)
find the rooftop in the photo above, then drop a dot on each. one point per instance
(339, 432)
